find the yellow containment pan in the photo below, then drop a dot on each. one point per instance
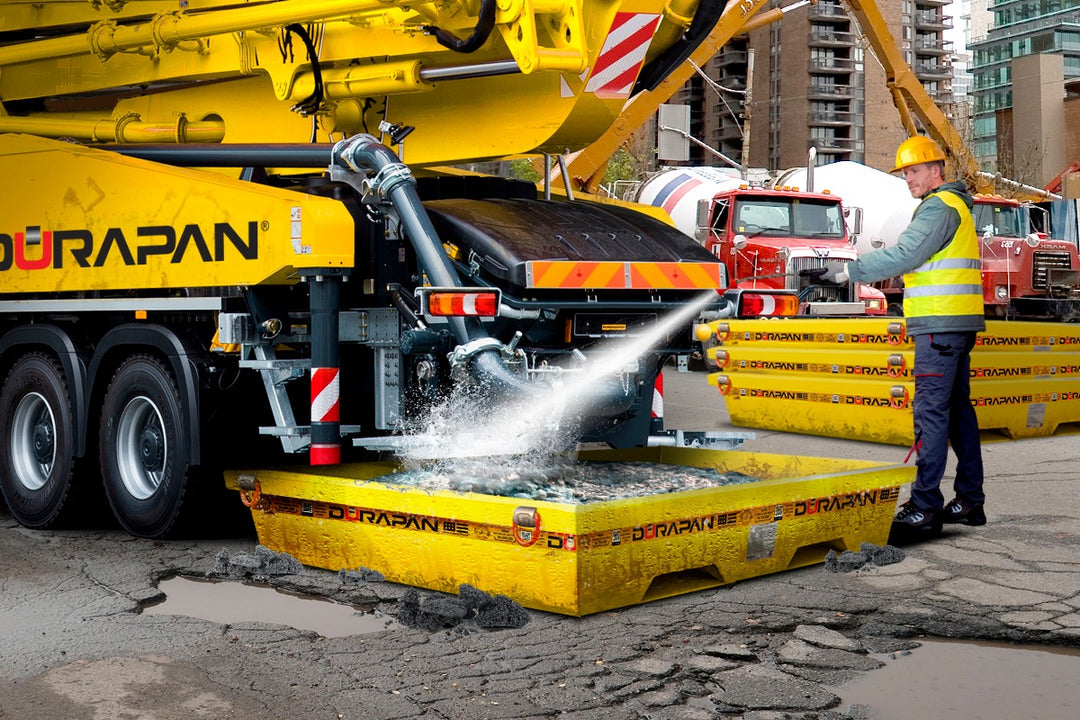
(582, 558)
(851, 378)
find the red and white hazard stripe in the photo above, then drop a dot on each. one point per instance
(622, 54)
(658, 398)
(325, 395)
(325, 408)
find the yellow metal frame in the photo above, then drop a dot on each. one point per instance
(218, 71)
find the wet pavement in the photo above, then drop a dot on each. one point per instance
(74, 645)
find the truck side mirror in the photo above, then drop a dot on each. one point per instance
(855, 224)
(1033, 240)
(988, 236)
(701, 221)
(739, 241)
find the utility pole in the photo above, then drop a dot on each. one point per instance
(747, 99)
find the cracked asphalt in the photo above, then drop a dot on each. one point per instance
(74, 645)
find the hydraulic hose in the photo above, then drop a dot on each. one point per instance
(394, 182)
(705, 18)
(485, 23)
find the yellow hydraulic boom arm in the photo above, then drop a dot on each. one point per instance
(586, 169)
(913, 101)
(911, 98)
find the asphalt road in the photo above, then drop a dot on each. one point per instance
(74, 643)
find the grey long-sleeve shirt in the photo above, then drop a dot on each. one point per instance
(932, 226)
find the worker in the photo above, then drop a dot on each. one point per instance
(938, 255)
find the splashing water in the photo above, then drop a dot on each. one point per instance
(532, 430)
(563, 478)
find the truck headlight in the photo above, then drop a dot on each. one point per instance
(1001, 292)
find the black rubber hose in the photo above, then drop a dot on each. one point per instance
(485, 23)
(705, 19)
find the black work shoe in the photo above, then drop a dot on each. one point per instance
(914, 522)
(958, 511)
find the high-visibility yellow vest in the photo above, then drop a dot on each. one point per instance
(950, 282)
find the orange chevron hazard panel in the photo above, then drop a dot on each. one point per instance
(624, 275)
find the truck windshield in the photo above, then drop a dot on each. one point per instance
(1000, 220)
(788, 217)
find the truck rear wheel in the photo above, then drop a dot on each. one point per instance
(144, 448)
(36, 441)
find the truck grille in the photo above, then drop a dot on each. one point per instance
(1041, 262)
(793, 281)
(821, 293)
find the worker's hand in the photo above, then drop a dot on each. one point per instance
(836, 274)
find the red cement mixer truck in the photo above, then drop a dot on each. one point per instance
(1025, 274)
(766, 234)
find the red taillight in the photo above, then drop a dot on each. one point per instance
(463, 304)
(754, 304)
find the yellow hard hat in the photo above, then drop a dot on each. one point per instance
(917, 149)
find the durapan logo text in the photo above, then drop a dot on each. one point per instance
(58, 248)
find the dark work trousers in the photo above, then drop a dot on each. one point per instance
(944, 416)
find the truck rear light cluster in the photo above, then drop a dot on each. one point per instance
(875, 306)
(463, 304)
(760, 304)
(444, 302)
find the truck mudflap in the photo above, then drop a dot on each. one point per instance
(578, 559)
(852, 378)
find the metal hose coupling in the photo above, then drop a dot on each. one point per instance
(363, 154)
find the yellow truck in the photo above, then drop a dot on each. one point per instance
(247, 232)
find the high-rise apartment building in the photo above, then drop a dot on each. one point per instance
(1021, 27)
(814, 84)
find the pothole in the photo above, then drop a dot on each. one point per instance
(233, 602)
(965, 680)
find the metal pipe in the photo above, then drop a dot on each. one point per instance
(463, 72)
(168, 29)
(122, 129)
(704, 146)
(1017, 186)
(395, 182)
(565, 178)
(547, 176)
(238, 155)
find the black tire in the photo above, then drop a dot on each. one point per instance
(37, 442)
(144, 447)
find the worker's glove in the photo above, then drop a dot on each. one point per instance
(836, 274)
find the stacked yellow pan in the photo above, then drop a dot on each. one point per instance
(852, 378)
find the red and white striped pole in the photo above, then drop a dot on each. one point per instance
(325, 416)
(325, 293)
(657, 413)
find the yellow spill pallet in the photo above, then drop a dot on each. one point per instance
(851, 378)
(580, 559)
(886, 365)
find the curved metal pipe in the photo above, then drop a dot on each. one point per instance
(362, 154)
(394, 181)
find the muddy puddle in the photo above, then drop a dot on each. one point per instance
(965, 680)
(233, 602)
